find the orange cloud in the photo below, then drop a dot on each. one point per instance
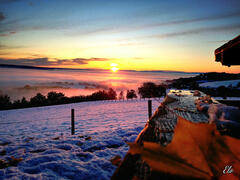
(45, 61)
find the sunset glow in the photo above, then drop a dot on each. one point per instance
(88, 35)
(114, 69)
(80, 78)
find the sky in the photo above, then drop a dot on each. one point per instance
(133, 35)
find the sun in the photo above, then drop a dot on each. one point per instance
(114, 67)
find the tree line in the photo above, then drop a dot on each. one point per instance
(146, 90)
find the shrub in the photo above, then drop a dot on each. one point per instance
(54, 97)
(5, 102)
(131, 94)
(121, 96)
(150, 89)
(112, 94)
(38, 100)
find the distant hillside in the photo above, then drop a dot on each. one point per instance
(186, 83)
(221, 91)
(54, 68)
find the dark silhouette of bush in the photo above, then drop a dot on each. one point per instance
(222, 91)
(150, 89)
(5, 101)
(103, 95)
(100, 95)
(193, 85)
(54, 97)
(131, 94)
(112, 94)
(16, 104)
(121, 96)
(38, 100)
(24, 102)
(74, 99)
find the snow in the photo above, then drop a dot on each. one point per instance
(42, 137)
(215, 84)
(228, 98)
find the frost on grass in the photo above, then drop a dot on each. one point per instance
(41, 138)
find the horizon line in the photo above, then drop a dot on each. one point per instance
(59, 68)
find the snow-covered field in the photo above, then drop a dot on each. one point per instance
(215, 84)
(42, 137)
(228, 98)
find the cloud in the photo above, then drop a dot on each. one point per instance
(218, 41)
(85, 61)
(193, 20)
(196, 31)
(7, 1)
(4, 54)
(94, 85)
(38, 87)
(138, 58)
(7, 33)
(23, 61)
(186, 21)
(44, 61)
(133, 27)
(60, 24)
(66, 85)
(2, 17)
(4, 47)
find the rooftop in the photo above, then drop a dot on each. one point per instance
(228, 54)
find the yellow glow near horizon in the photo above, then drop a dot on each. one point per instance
(114, 68)
(171, 57)
(114, 64)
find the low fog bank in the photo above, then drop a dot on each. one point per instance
(18, 83)
(68, 88)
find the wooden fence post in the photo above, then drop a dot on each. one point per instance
(72, 122)
(149, 109)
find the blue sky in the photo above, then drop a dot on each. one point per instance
(148, 34)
